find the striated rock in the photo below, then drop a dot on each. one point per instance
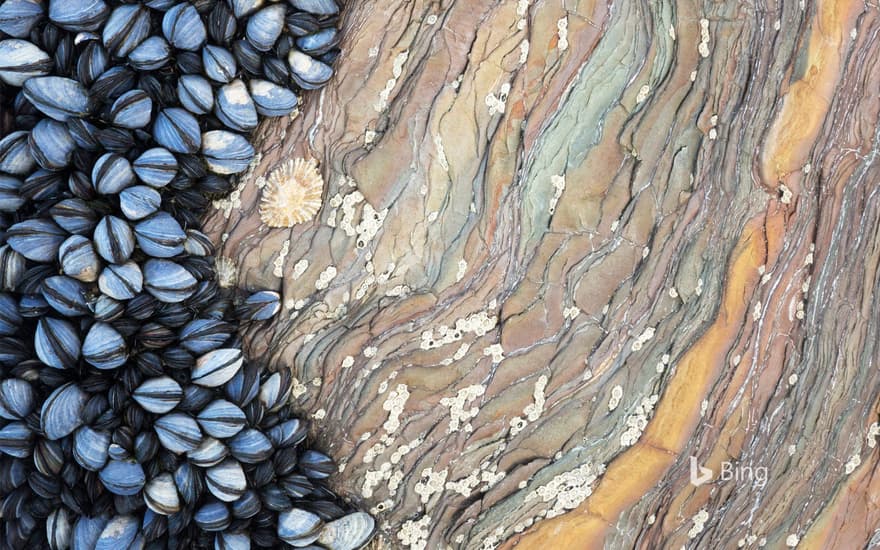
(562, 250)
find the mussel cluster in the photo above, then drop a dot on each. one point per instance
(129, 417)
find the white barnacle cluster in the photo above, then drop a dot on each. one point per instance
(325, 310)
(297, 388)
(396, 71)
(478, 324)
(334, 313)
(386, 471)
(325, 277)
(797, 306)
(299, 268)
(441, 152)
(232, 201)
(462, 270)
(293, 193)
(663, 363)
(498, 104)
(369, 137)
(495, 351)
(431, 483)
(466, 485)
(486, 474)
(371, 278)
(568, 490)
(493, 539)
(616, 395)
(522, 9)
(558, 182)
(370, 222)
(395, 404)
(460, 409)
(490, 475)
(523, 51)
(562, 34)
(854, 461)
(638, 421)
(873, 432)
(643, 338)
(347, 202)
(278, 263)
(533, 410)
(703, 47)
(699, 523)
(398, 455)
(372, 479)
(413, 534)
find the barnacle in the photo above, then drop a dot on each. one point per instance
(227, 272)
(293, 194)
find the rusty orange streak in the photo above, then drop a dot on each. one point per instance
(792, 136)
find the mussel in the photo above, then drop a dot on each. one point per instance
(78, 15)
(128, 415)
(21, 60)
(57, 97)
(158, 395)
(62, 410)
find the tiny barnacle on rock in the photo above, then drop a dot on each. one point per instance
(293, 194)
(227, 273)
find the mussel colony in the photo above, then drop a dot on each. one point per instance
(130, 418)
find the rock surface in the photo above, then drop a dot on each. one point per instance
(564, 247)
